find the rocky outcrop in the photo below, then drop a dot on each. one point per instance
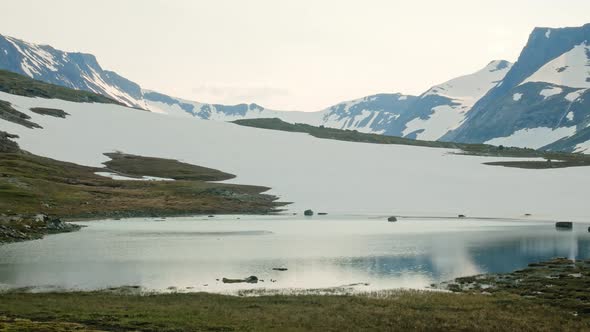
(7, 145)
(17, 228)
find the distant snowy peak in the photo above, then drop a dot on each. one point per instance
(73, 70)
(372, 114)
(570, 69)
(469, 89)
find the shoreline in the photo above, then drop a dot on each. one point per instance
(517, 308)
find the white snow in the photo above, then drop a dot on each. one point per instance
(548, 33)
(572, 96)
(570, 69)
(517, 96)
(443, 119)
(326, 175)
(583, 147)
(403, 98)
(464, 91)
(570, 116)
(469, 89)
(120, 177)
(533, 137)
(552, 91)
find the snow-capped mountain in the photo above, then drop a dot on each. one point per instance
(83, 72)
(371, 114)
(543, 98)
(73, 70)
(429, 116)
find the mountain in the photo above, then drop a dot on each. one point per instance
(429, 116)
(82, 71)
(73, 70)
(542, 99)
(539, 100)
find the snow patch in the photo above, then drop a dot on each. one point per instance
(550, 92)
(120, 177)
(533, 137)
(548, 33)
(572, 96)
(443, 119)
(517, 96)
(570, 69)
(570, 116)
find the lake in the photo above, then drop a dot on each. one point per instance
(195, 253)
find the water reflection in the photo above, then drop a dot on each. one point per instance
(318, 253)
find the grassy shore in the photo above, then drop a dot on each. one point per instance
(405, 310)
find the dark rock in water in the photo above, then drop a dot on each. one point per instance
(462, 216)
(564, 224)
(322, 214)
(392, 219)
(308, 213)
(249, 280)
(279, 269)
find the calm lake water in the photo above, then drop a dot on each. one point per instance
(321, 252)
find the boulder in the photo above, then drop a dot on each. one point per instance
(322, 214)
(564, 224)
(308, 213)
(279, 269)
(249, 280)
(461, 216)
(392, 219)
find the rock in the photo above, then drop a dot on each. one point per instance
(462, 216)
(322, 214)
(211, 216)
(588, 229)
(564, 224)
(249, 280)
(527, 214)
(392, 219)
(280, 269)
(41, 218)
(308, 213)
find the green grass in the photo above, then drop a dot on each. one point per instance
(24, 86)
(166, 168)
(569, 159)
(31, 184)
(400, 311)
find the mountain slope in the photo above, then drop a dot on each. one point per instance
(542, 99)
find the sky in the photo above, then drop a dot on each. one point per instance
(288, 54)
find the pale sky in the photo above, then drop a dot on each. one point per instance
(288, 55)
